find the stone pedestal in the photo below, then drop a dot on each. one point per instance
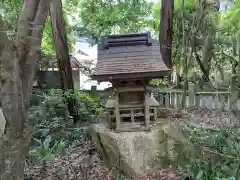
(136, 153)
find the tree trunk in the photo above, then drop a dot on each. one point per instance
(62, 52)
(233, 81)
(16, 85)
(207, 54)
(165, 33)
(204, 68)
(14, 141)
(233, 87)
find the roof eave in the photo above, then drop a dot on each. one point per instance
(124, 76)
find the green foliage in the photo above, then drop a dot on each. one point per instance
(45, 150)
(229, 21)
(188, 4)
(52, 130)
(47, 42)
(160, 83)
(10, 11)
(210, 154)
(48, 47)
(192, 24)
(90, 106)
(99, 18)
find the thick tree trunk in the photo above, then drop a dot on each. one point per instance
(14, 150)
(165, 33)
(16, 85)
(14, 141)
(62, 52)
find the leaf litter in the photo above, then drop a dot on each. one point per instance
(84, 163)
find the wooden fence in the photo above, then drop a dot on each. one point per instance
(194, 98)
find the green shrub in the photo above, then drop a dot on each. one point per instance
(52, 129)
(89, 107)
(210, 154)
(161, 83)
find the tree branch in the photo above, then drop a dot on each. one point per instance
(25, 28)
(34, 54)
(204, 71)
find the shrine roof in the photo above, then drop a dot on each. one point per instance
(129, 56)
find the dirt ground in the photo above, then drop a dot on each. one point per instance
(85, 163)
(210, 118)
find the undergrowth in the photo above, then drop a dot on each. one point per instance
(55, 135)
(53, 131)
(210, 154)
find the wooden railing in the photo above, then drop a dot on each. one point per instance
(194, 98)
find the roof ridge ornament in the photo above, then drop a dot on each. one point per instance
(127, 40)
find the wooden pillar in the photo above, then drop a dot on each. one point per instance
(146, 109)
(117, 110)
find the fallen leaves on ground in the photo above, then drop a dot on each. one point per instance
(84, 163)
(209, 117)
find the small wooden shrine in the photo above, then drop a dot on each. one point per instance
(129, 62)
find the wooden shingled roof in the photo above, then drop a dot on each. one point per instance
(129, 56)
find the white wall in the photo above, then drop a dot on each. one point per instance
(225, 5)
(85, 81)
